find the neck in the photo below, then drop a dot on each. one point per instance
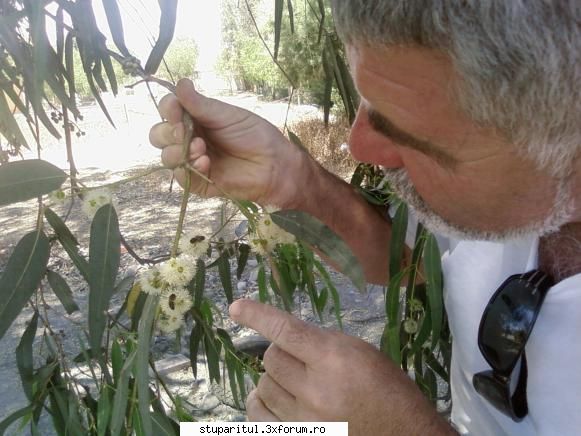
(560, 252)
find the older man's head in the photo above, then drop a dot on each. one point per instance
(477, 103)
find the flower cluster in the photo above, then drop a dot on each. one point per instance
(268, 235)
(95, 199)
(169, 280)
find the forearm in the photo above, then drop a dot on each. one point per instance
(362, 226)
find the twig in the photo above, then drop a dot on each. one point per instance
(189, 134)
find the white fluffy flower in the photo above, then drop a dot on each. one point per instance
(178, 271)
(94, 199)
(194, 244)
(169, 323)
(151, 281)
(268, 234)
(175, 301)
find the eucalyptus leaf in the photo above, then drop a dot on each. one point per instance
(115, 25)
(225, 275)
(433, 269)
(68, 242)
(104, 256)
(15, 416)
(323, 239)
(22, 276)
(397, 240)
(166, 31)
(24, 357)
(142, 360)
(104, 409)
(291, 16)
(121, 396)
(26, 179)
(62, 291)
(244, 251)
(278, 9)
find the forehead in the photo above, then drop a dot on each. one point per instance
(414, 88)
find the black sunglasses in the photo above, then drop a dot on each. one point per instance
(505, 327)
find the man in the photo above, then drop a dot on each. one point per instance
(474, 110)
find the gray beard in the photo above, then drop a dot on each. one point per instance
(560, 213)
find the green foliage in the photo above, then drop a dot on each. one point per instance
(180, 58)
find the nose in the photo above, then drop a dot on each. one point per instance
(368, 145)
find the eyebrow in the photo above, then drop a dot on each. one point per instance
(384, 126)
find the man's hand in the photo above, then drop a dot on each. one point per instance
(317, 375)
(243, 154)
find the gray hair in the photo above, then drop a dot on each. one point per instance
(519, 60)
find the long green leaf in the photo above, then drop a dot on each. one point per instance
(278, 8)
(115, 25)
(104, 409)
(26, 179)
(291, 16)
(68, 241)
(15, 416)
(323, 239)
(21, 276)
(433, 269)
(244, 251)
(212, 347)
(62, 291)
(167, 24)
(24, 357)
(10, 128)
(194, 345)
(121, 396)
(142, 361)
(390, 341)
(104, 255)
(225, 275)
(397, 241)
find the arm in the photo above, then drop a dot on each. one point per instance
(248, 158)
(347, 213)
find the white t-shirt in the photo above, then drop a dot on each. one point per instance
(473, 270)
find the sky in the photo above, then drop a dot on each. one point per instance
(199, 20)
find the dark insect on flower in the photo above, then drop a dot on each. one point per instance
(172, 301)
(197, 239)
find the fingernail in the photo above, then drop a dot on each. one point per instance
(178, 133)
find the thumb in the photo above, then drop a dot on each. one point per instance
(210, 112)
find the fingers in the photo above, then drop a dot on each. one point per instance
(284, 369)
(210, 112)
(276, 399)
(170, 109)
(256, 410)
(172, 155)
(301, 340)
(164, 134)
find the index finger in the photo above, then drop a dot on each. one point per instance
(170, 109)
(299, 339)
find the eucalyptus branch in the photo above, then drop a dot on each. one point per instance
(189, 134)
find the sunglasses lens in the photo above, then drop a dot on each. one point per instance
(507, 323)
